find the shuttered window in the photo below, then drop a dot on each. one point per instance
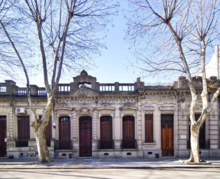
(149, 128)
(106, 132)
(23, 131)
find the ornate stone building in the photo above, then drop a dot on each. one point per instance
(92, 119)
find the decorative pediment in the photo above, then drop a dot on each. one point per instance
(128, 108)
(167, 108)
(106, 107)
(84, 110)
(84, 91)
(62, 106)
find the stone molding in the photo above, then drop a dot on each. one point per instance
(165, 108)
(63, 106)
(84, 111)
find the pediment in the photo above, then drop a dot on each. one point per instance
(62, 106)
(128, 108)
(84, 91)
(105, 107)
(84, 110)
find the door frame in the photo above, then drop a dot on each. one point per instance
(172, 132)
(79, 117)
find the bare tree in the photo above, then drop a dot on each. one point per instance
(66, 34)
(181, 32)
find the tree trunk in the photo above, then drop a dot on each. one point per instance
(43, 152)
(195, 157)
(40, 128)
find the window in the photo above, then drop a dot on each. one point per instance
(64, 133)
(106, 132)
(128, 132)
(149, 128)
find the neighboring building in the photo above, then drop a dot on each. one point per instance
(92, 119)
(213, 66)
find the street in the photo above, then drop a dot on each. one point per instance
(179, 173)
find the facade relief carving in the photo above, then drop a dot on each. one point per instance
(84, 111)
(128, 107)
(148, 108)
(170, 108)
(84, 91)
(62, 106)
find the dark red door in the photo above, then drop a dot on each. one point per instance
(106, 132)
(64, 133)
(23, 131)
(128, 132)
(167, 135)
(85, 125)
(2, 136)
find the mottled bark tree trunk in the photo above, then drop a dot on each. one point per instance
(39, 130)
(195, 157)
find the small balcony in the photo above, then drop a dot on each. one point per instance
(106, 144)
(63, 144)
(22, 143)
(128, 144)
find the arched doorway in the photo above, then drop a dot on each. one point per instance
(85, 136)
(64, 133)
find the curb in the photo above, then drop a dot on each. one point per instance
(152, 167)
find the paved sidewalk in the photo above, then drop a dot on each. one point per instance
(106, 163)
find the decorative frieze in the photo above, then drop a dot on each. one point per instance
(170, 108)
(148, 109)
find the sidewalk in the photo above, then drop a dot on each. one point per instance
(98, 163)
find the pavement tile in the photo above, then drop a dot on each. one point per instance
(103, 163)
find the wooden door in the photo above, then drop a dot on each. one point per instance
(85, 131)
(64, 133)
(2, 136)
(167, 135)
(128, 132)
(149, 128)
(23, 131)
(106, 132)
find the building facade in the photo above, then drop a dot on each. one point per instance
(92, 119)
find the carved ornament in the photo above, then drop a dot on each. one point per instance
(84, 91)
(63, 106)
(167, 108)
(84, 110)
(148, 108)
